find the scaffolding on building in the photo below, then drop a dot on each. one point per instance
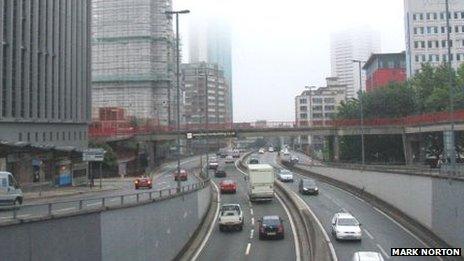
(133, 58)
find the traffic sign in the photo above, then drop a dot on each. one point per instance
(97, 154)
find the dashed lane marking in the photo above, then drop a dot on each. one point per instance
(247, 252)
(383, 251)
(368, 234)
(253, 221)
(251, 233)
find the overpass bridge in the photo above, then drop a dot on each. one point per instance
(107, 131)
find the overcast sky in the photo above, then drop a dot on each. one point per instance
(281, 46)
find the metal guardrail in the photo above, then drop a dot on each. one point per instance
(59, 208)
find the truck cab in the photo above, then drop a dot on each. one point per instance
(261, 184)
(10, 192)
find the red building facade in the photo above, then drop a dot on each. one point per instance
(384, 68)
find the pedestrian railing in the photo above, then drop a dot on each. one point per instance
(82, 205)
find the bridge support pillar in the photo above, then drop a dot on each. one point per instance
(413, 148)
(336, 149)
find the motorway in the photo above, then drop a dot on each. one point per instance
(245, 245)
(380, 232)
(163, 181)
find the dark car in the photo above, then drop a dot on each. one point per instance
(308, 186)
(253, 161)
(143, 182)
(271, 227)
(220, 173)
(182, 175)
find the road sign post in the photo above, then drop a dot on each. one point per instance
(94, 154)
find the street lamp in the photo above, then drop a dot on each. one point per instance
(310, 105)
(451, 141)
(359, 62)
(178, 88)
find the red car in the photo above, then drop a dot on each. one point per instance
(182, 175)
(143, 182)
(228, 186)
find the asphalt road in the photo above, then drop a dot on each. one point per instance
(164, 181)
(380, 232)
(245, 245)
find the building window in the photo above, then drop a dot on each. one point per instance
(414, 17)
(416, 44)
(329, 100)
(329, 107)
(435, 16)
(80, 135)
(303, 101)
(415, 30)
(421, 16)
(317, 100)
(417, 58)
(44, 136)
(422, 44)
(303, 108)
(20, 136)
(317, 115)
(429, 44)
(456, 15)
(57, 136)
(317, 108)
(428, 16)
(50, 136)
(36, 137)
(303, 115)
(443, 30)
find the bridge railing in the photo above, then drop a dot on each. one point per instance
(37, 211)
(124, 128)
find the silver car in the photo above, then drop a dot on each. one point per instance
(346, 227)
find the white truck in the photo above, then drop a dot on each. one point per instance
(10, 193)
(230, 217)
(261, 182)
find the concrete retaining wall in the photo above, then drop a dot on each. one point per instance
(155, 231)
(436, 203)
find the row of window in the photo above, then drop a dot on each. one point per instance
(318, 115)
(437, 30)
(52, 136)
(318, 108)
(318, 100)
(436, 44)
(438, 58)
(436, 16)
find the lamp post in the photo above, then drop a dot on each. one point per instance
(359, 62)
(207, 118)
(451, 153)
(310, 105)
(177, 13)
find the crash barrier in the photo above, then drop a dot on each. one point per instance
(155, 228)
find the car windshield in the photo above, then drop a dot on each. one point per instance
(285, 171)
(309, 183)
(271, 221)
(230, 208)
(347, 222)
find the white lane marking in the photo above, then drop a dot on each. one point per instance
(292, 224)
(383, 251)
(247, 252)
(368, 234)
(321, 227)
(65, 209)
(94, 204)
(208, 235)
(185, 214)
(401, 226)
(251, 211)
(253, 221)
(251, 233)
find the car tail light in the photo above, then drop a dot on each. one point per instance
(136, 182)
(280, 228)
(149, 181)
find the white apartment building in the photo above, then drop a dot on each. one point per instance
(426, 34)
(317, 108)
(347, 45)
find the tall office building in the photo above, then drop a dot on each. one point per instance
(201, 79)
(45, 72)
(45, 93)
(426, 34)
(210, 41)
(133, 59)
(347, 45)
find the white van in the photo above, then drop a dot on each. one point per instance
(10, 193)
(261, 186)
